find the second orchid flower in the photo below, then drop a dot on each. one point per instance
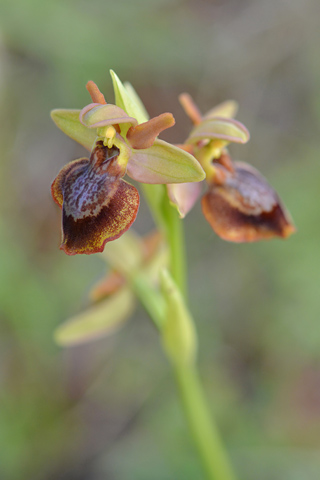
(239, 203)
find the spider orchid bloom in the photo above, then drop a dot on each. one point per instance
(97, 204)
(239, 205)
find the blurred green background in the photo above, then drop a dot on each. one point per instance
(108, 409)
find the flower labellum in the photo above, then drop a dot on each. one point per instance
(241, 206)
(97, 205)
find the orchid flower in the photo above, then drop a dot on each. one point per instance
(97, 204)
(239, 204)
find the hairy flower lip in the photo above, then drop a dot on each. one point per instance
(97, 205)
(243, 207)
(91, 235)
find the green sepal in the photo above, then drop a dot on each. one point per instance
(102, 319)
(127, 101)
(164, 163)
(227, 109)
(178, 333)
(135, 97)
(68, 121)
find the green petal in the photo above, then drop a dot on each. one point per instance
(125, 100)
(219, 128)
(164, 163)
(68, 121)
(100, 320)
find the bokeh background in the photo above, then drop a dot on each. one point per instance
(108, 410)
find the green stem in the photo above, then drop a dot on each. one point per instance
(154, 195)
(167, 219)
(202, 428)
(204, 432)
(175, 237)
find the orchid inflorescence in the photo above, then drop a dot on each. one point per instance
(99, 206)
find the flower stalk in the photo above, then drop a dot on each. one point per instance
(202, 428)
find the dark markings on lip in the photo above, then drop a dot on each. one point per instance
(90, 234)
(246, 208)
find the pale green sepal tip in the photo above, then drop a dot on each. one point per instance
(227, 109)
(125, 100)
(178, 333)
(133, 94)
(100, 320)
(68, 121)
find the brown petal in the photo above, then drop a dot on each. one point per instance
(246, 208)
(144, 135)
(190, 108)
(95, 94)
